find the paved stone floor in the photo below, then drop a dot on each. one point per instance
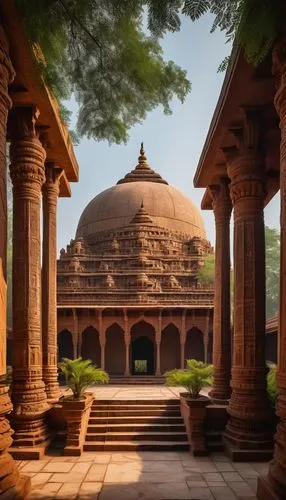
(142, 476)
(151, 392)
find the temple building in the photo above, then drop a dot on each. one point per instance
(129, 295)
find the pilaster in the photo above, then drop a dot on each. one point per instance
(248, 433)
(158, 344)
(49, 293)
(102, 339)
(127, 340)
(274, 487)
(28, 175)
(222, 208)
(183, 339)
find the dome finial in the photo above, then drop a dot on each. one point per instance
(142, 159)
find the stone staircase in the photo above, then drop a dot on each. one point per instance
(136, 425)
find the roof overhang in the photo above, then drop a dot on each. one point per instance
(243, 86)
(28, 88)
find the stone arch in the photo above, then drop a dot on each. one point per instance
(90, 345)
(143, 346)
(271, 347)
(170, 348)
(65, 345)
(115, 350)
(194, 346)
(143, 319)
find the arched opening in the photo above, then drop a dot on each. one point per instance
(65, 345)
(194, 346)
(271, 347)
(115, 350)
(90, 345)
(170, 348)
(142, 349)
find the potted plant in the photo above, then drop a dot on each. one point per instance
(194, 377)
(79, 374)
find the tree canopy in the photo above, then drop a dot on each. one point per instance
(252, 24)
(272, 270)
(100, 52)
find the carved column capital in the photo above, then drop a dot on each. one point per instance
(51, 186)
(26, 151)
(221, 202)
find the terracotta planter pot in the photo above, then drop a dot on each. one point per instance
(194, 413)
(76, 414)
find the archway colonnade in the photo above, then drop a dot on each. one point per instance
(111, 345)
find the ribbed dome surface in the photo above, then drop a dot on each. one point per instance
(117, 206)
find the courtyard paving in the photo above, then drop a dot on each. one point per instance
(141, 475)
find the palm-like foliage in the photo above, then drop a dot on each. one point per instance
(194, 377)
(79, 374)
(272, 387)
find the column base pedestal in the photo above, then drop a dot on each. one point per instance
(18, 492)
(265, 490)
(247, 441)
(241, 451)
(30, 452)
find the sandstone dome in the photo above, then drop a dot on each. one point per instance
(115, 207)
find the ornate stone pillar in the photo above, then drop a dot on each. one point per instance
(102, 340)
(274, 487)
(127, 339)
(249, 425)
(49, 281)
(158, 345)
(10, 482)
(28, 175)
(222, 207)
(183, 339)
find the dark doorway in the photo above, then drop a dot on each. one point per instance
(271, 347)
(170, 348)
(142, 356)
(115, 350)
(90, 346)
(194, 346)
(65, 345)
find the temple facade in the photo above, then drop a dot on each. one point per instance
(129, 295)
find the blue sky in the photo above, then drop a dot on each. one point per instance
(172, 143)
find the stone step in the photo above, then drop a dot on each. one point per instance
(102, 428)
(137, 436)
(134, 413)
(139, 420)
(127, 408)
(136, 445)
(136, 402)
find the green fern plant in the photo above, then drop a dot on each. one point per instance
(194, 377)
(79, 374)
(272, 387)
